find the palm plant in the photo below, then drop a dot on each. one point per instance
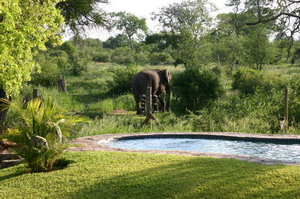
(41, 133)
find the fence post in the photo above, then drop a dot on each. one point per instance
(62, 84)
(148, 101)
(35, 93)
(286, 108)
(285, 125)
(149, 115)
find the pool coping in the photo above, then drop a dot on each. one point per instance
(101, 143)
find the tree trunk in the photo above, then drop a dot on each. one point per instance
(3, 110)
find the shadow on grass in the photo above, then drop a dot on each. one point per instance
(12, 175)
(196, 178)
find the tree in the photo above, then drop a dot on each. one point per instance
(189, 21)
(258, 47)
(116, 42)
(192, 15)
(130, 25)
(228, 50)
(285, 14)
(79, 14)
(25, 26)
(162, 41)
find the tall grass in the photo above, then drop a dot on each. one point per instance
(130, 123)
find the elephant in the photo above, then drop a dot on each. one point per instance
(159, 81)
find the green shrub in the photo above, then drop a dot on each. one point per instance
(123, 56)
(49, 72)
(294, 98)
(194, 88)
(273, 80)
(246, 80)
(122, 77)
(77, 59)
(157, 58)
(40, 132)
(103, 56)
(125, 102)
(141, 58)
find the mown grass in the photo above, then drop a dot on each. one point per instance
(135, 175)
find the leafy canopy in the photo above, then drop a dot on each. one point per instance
(80, 14)
(25, 26)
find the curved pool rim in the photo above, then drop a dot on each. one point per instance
(102, 143)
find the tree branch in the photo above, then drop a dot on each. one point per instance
(273, 18)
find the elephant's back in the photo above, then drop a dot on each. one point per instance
(144, 79)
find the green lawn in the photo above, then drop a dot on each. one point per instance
(136, 175)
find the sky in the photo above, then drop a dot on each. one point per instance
(141, 8)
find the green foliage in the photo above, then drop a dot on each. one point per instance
(246, 80)
(116, 42)
(157, 58)
(190, 14)
(103, 56)
(294, 102)
(122, 78)
(101, 108)
(194, 88)
(90, 47)
(130, 25)
(123, 55)
(24, 29)
(189, 21)
(51, 66)
(229, 50)
(82, 14)
(77, 59)
(41, 133)
(258, 46)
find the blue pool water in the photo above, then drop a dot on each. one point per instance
(282, 152)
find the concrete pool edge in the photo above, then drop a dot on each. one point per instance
(101, 143)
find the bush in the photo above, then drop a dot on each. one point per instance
(122, 78)
(123, 56)
(157, 58)
(194, 88)
(40, 133)
(141, 58)
(294, 98)
(77, 59)
(246, 80)
(104, 56)
(49, 72)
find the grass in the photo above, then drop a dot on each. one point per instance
(136, 175)
(131, 123)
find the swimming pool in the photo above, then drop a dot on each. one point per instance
(275, 149)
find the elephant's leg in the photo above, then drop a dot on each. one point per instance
(155, 103)
(143, 104)
(161, 104)
(137, 104)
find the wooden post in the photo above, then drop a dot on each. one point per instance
(62, 84)
(149, 115)
(35, 93)
(149, 101)
(286, 109)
